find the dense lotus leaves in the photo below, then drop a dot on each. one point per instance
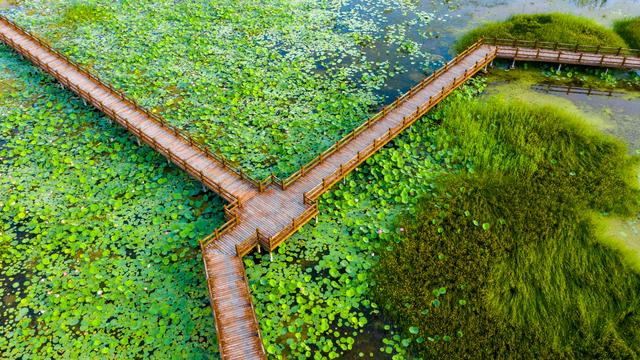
(269, 84)
(98, 236)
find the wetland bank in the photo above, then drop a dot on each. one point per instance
(99, 236)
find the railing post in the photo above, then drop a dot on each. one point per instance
(598, 48)
(619, 51)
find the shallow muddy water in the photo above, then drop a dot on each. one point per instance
(618, 111)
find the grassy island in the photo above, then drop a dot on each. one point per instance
(629, 30)
(509, 255)
(553, 27)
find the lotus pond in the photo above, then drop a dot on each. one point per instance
(98, 239)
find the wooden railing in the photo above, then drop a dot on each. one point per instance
(272, 242)
(262, 185)
(226, 164)
(570, 89)
(372, 121)
(344, 169)
(231, 214)
(577, 48)
(248, 244)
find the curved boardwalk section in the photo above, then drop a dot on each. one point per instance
(264, 214)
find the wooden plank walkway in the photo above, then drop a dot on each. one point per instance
(266, 218)
(170, 142)
(236, 324)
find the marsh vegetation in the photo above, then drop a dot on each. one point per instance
(508, 253)
(98, 236)
(555, 27)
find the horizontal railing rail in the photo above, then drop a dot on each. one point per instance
(574, 47)
(569, 89)
(274, 241)
(231, 214)
(248, 244)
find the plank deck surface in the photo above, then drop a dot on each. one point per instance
(273, 210)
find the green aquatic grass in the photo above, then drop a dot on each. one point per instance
(506, 256)
(629, 30)
(564, 28)
(99, 253)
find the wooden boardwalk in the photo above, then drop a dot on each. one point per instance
(264, 214)
(178, 147)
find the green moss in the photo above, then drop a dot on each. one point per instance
(80, 12)
(629, 30)
(553, 27)
(507, 256)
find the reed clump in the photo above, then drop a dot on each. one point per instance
(553, 27)
(629, 30)
(504, 260)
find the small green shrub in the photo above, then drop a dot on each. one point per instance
(629, 30)
(79, 13)
(505, 257)
(553, 27)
